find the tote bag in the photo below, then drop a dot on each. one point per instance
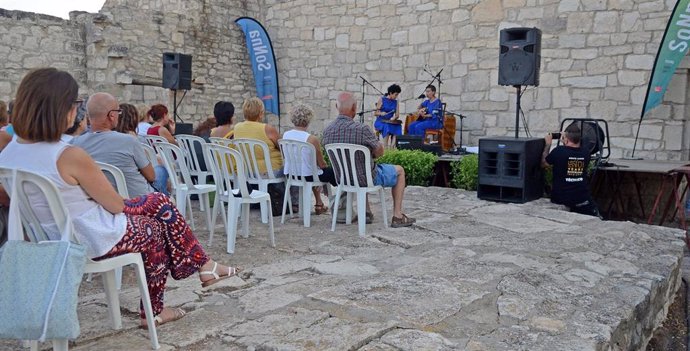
(40, 283)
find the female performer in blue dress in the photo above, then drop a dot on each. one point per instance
(387, 110)
(429, 112)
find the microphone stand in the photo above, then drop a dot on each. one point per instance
(361, 115)
(435, 77)
(362, 112)
(461, 130)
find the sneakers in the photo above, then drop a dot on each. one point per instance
(404, 221)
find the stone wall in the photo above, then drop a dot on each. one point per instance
(596, 60)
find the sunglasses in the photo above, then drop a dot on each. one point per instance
(119, 112)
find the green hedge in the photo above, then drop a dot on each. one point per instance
(418, 165)
(464, 173)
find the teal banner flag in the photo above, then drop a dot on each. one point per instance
(263, 63)
(674, 46)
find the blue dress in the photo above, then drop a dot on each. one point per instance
(386, 129)
(434, 122)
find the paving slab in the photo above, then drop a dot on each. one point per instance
(469, 275)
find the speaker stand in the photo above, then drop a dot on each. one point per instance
(517, 110)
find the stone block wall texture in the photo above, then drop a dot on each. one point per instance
(597, 57)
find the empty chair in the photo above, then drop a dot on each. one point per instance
(342, 158)
(174, 160)
(232, 188)
(249, 149)
(192, 145)
(295, 153)
(35, 233)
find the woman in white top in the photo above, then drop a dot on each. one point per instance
(301, 116)
(105, 223)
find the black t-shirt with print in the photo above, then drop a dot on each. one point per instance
(569, 175)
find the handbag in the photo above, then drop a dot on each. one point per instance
(39, 294)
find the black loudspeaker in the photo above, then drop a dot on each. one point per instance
(177, 71)
(184, 128)
(520, 57)
(416, 142)
(510, 169)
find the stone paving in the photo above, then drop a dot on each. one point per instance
(470, 275)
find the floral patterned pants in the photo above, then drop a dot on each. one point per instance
(156, 229)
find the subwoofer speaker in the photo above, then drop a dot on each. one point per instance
(520, 57)
(177, 71)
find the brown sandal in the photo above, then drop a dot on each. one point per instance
(402, 222)
(320, 209)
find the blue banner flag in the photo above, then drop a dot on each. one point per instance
(263, 63)
(674, 46)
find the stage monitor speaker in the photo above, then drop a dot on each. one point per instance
(177, 71)
(184, 128)
(520, 56)
(510, 169)
(416, 142)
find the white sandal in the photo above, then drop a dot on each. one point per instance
(232, 271)
(158, 321)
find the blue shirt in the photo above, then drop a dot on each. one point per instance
(434, 108)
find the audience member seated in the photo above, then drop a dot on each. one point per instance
(224, 112)
(144, 120)
(203, 129)
(127, 124)
(301, 116)
(123, 151)
(105, 223)
(429, 112)
(163, 125)
(345, 130)
(570, 162)
(254, 128)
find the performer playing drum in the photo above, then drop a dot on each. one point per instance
(430, 114)
(388, 117)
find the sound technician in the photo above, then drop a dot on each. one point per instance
(570, 163)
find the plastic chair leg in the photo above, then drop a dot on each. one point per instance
(264, 208)
(348, 208)
(335, 208)
(214, 217)
(362, 213)
(286, 199)
(245, 222)
(205, 200)
(113, 298)
(118, 278)
(60, 345)
(383, 207)
(305, 205)
(146, 302)
(231, 228)
(271, 235)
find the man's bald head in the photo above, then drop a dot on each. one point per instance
(346, 104)
(99, 104)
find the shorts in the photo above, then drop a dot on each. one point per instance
(386, 176)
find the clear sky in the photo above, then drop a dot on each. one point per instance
(56, 8)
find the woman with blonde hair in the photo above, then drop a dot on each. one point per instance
(254, 128)
(144, 119)
(104, 223)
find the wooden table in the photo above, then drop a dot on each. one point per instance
(613, 175)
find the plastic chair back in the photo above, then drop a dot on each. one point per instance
(222, 160)
(222, 141)
(152, 140)
(343, 158)
(173, 156)
(249, 148)
(150, 154)
(116, 174)
(193, 147)
(295, 153)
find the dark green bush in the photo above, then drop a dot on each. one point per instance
(418, 165)
(464, 173)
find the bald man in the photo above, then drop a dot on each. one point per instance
(345, 130)
(120, 150)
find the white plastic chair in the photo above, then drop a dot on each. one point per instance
(294, 154)
(121, 187)
(342, 158)
(152, 140)
(221, 141)
(150, 154)
(173, 156)
(191, 144)
(248, 148)
(222, 160)
(34, 231)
